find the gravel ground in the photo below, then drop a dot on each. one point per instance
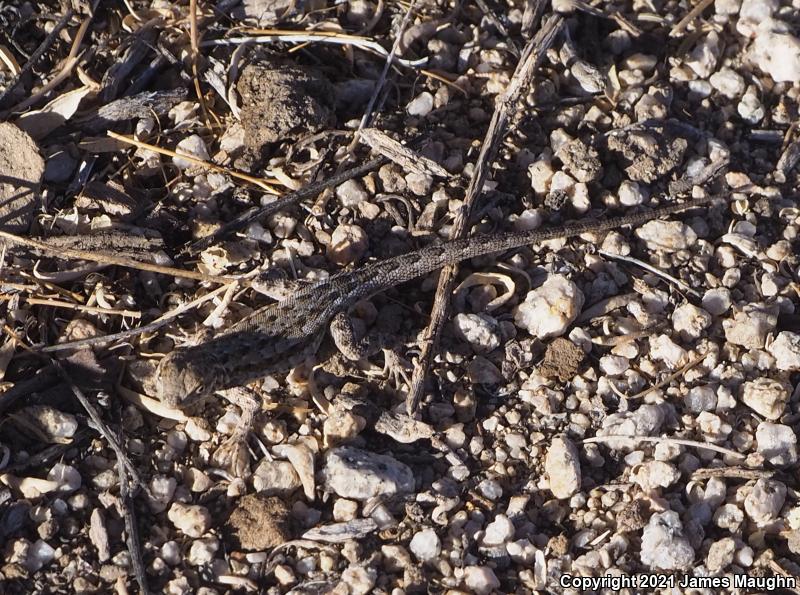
(609, 413)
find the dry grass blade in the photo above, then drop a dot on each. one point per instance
(265, 185)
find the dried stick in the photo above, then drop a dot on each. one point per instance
(99, 424)
(131, 528)
(532, 56)
(284, 202)
(64, 252)
(147, 328)
(48, 41)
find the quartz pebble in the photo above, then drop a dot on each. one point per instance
(777, 443)
(499, 531)
(728, 82)
(425, 545)
(690, 321)
(667, 236)
(563, 468)
(479, 330)
(777, 52)
(359, 475)
(421, 105)
(664, 546)
(750, 325)
(786, 351)
(194, 146)
(480, 579)
(276, 478)
(765, 500)
(548, 310)
(766, 396)
(351, 193)
(191, 519)
(655, 474)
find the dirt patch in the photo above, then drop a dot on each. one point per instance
(280, 101)
(21, 171)
(259, 523)
(648, 154)
(562, 359)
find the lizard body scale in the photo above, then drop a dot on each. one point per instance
(280, 335)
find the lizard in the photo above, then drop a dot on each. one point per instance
(283, 334)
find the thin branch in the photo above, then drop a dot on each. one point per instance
(64, 252)
(148, 328)
(532, 56)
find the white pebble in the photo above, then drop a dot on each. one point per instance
(479, 330)
(750, 107)
(663, 545)
(522, 551)
(765, 500)
(663, 348)
(750, 325)
(197, 429)
(480, 579)
(425, 545)
(778, 443)
(701, 398)
(351, 192)
(548, 310)
(728, 82)
(275, 478)
(703, 57)
(191, 145)
(766, 396)
(667, 236)
(360, 475)
(162, 489)
(499, 531)
(786, 351)
(192, 519)
(655, 474)
(491, 489)
(630, 194)
(203, 550)
(171, 553)
(717, 301)
(777, 52)
(421, 105)
(541, 173)
(67, 476)
(563, 468)
(614, 365)
(690, 321)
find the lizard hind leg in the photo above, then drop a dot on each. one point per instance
(233, 453)
(344, 336)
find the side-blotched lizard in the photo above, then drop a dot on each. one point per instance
(281, 335)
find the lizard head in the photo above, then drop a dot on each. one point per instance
(181, 384)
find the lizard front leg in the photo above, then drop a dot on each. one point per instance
(233, 454)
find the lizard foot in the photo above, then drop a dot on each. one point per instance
(396, 368)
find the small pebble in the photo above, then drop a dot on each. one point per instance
(193, 520)
(663, 545)
(766, 396)
(563, 468)
(425, 545)
(765, 500)
(549, 310)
